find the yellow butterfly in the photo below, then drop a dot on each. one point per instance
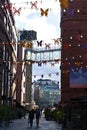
(44, 12)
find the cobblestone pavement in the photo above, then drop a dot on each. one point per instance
(22, 124)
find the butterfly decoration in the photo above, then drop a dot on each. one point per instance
(13, 62)
(39, 43)
(34, 76)
(16, 11)
(85, 56)
(21, 63)
(64, 3)
(8, 7)
(70, 11)
(57, 60)
(56, 41)
(52, 64)
(47, 46)
(78, 63)
(44, 12)
(33, 5)
(57, 73)
(23, 44)
(6, 43)
(66, 46)
(13, 43)
(78, 37)
(27, 62)
(84, 45)
(42, 76)
(49, 75)
(46, 83)
(44, 62)
(29, 45)
(39, 63)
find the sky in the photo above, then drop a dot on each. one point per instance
(47, 27)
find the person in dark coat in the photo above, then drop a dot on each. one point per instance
(38, 115)
(31, 117)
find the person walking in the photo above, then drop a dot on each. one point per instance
(38, 115)
(31, 117)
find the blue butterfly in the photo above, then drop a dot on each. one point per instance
(70, 11)
(39, 63)
(39, 43)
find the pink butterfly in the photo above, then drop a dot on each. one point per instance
(16, 11)
(47, 45)
(8, 7)
(33, 5)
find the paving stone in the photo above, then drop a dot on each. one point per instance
(22, 124)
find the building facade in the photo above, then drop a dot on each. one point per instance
(74, 49)
(8, 51)
(46, 92)
(24, 67)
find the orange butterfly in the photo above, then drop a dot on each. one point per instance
(64, 3)
(44, 12)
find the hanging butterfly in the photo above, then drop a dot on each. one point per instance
(70, 11)
(79, 37)
(6, 43)
(34, 76)
(57, 73)
(23, 44)
(56, 41)
(34, 5)
(46, 83)
(42, 76)
(52, 64)
(84, 45)
(49, 75)
(8, 7)
(39, 63)
(29, 45)
(85, 56)
(57, 60)
(16, 11)
(13, 43)
(66, 46)
(14, 62)
(47, 45)
(39, 43)
(44, 12)
(64, 3)
(44, 62)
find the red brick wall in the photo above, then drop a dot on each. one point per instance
(72, 25)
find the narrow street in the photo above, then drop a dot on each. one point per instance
(22, 124)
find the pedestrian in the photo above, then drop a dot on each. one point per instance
(31, 117)
(38, 115)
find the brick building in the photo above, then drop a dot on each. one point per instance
(74, 49)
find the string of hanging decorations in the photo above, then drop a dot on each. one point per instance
(17, 7)
(39, 75)
(42, 75)
(34, 45)
(56, 61)
(37, 43)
